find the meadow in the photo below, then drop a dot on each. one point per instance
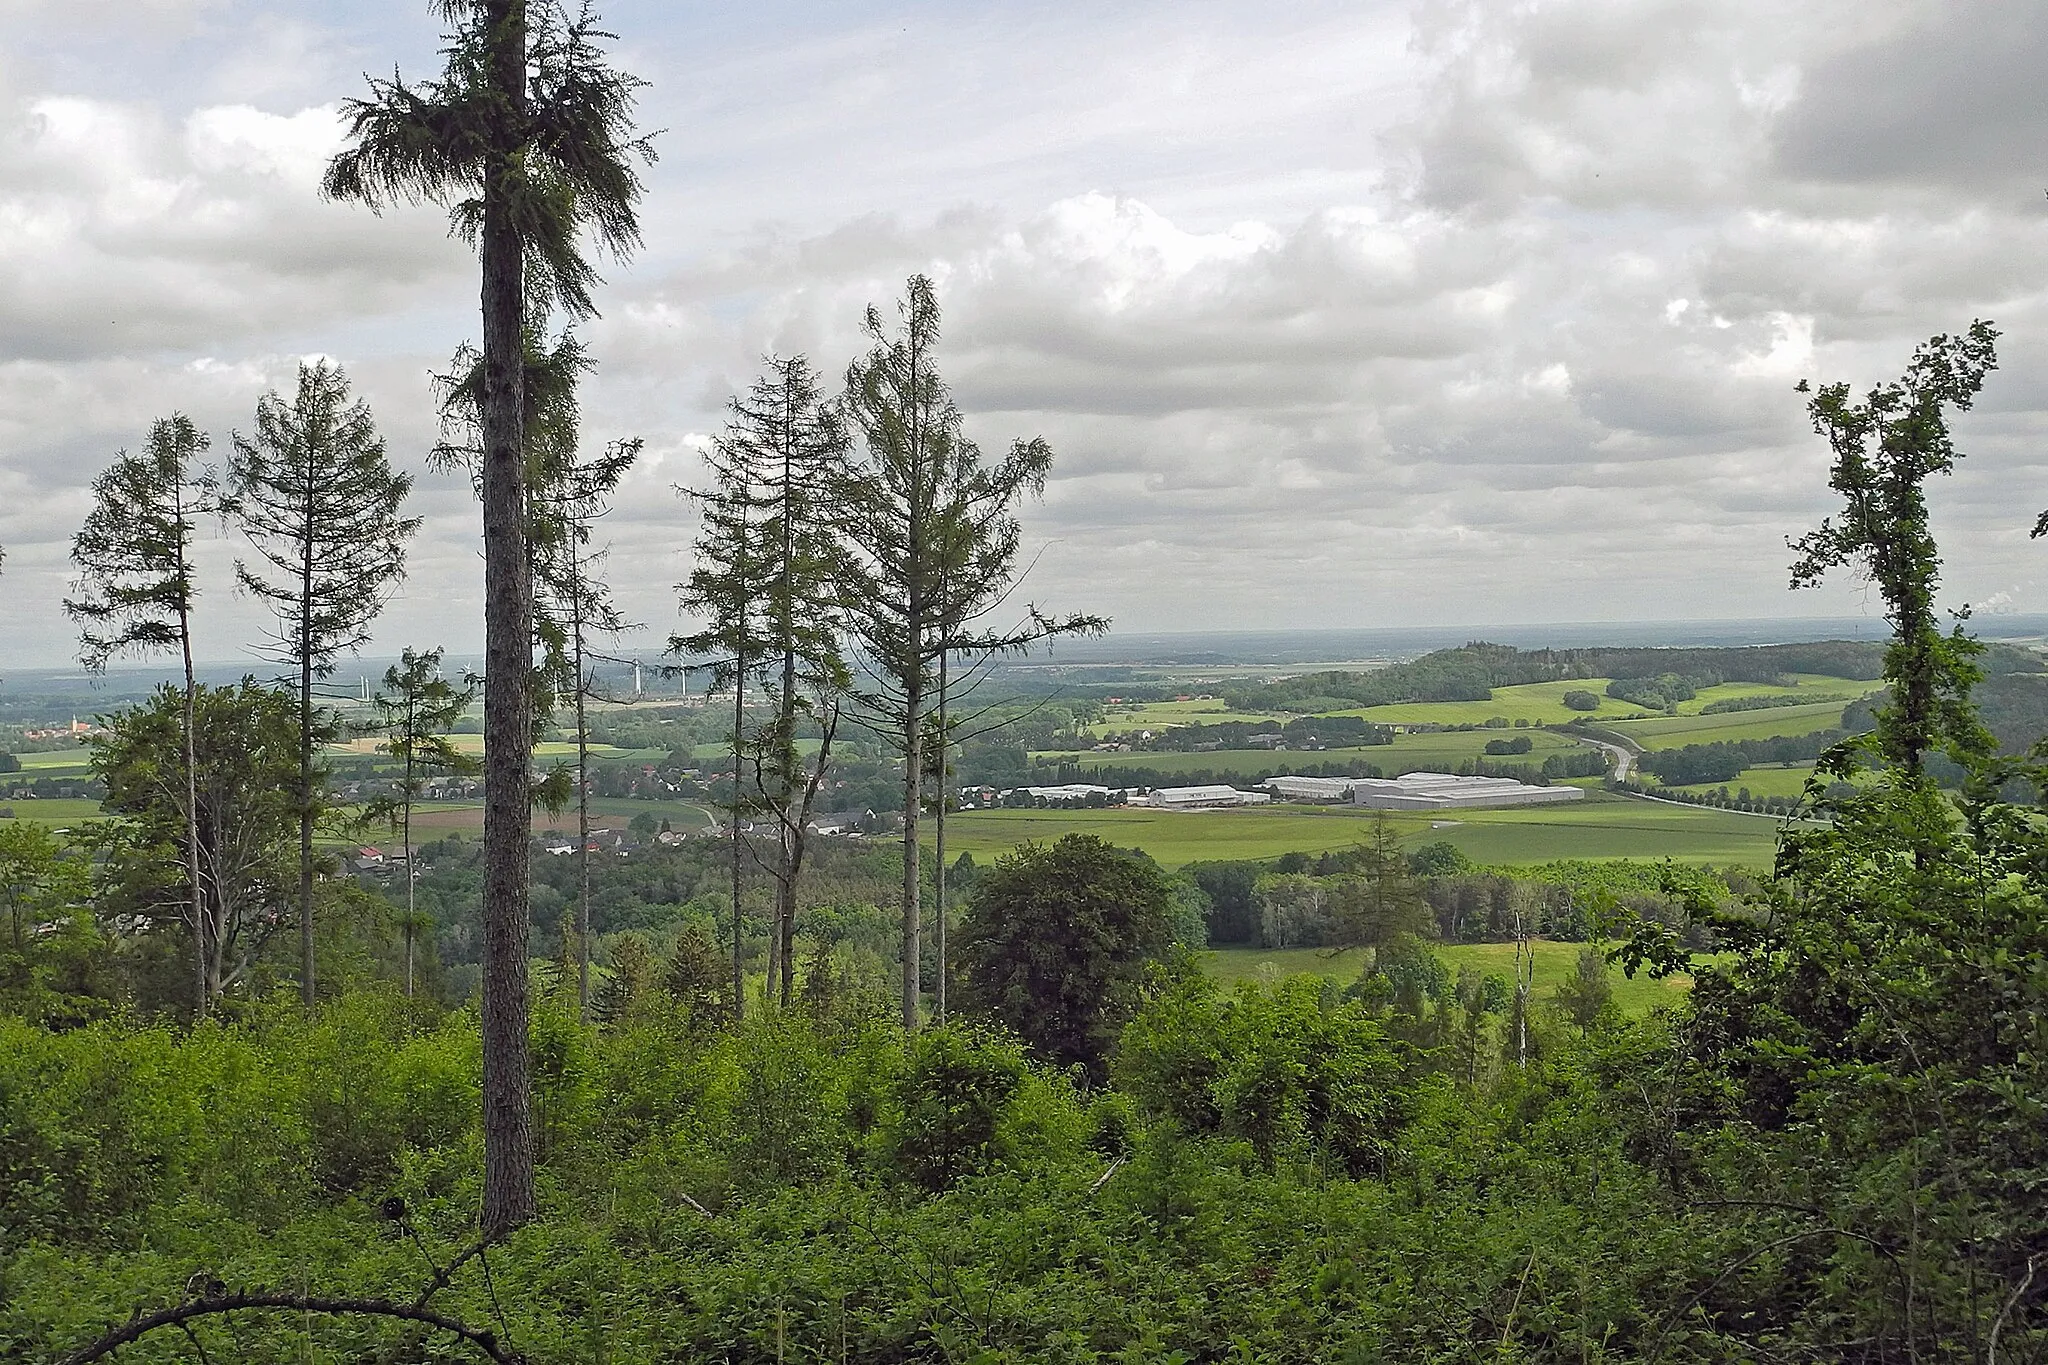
(1158, 715)
(1672, 732)
(1787, 780)
(1599, 828)
(1543, 703)
(51, 810)
(1555, 963)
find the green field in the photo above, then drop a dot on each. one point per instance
(1158, 715)
(1555, 963)
(1768, 781)
(1538, 703)
(1671, 732)
(1408, 753)
(48, 811)
(1543, 703)
(1600, 828)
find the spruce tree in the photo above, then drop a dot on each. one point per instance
(526, 137)
(931, 541)
(135, 595)
(314, 493)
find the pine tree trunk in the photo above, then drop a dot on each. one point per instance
(913, 792)
(939, 850)
(202, 955)
(582, 800)
(508, 657)
(786, 868)
(739, 966)
(306, 778)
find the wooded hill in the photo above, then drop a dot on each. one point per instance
(1472, 671)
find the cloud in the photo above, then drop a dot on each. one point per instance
(1452, 312)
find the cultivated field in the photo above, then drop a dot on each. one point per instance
(1543, 703)
(438, 818)
(49, 811)
(1555, 963)
(1158, 715)
(1671, 732)
(1789, 780)
(1599, 828)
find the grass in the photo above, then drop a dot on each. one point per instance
(1600, 828)
(51, 811)
(1538, 703)
(1774, 780)
(1158, 715)
(1554, 964)
(1671, 732)
(53, 762)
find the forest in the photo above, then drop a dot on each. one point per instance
(767, 1096)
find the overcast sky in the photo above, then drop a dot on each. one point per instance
(1335, 314)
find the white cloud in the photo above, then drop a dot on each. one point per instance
(1459, 312)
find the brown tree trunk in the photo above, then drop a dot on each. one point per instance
(913, 792)
(582, 796)
(201, 948)
(508, 659)
(939, 851)
(739, 966)
(306, 777)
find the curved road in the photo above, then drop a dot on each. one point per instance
(1624, 759)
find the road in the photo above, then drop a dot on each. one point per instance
(1624, 759)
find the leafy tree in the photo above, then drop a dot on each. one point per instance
(932, 541)
(527, 138)
(244, 773)
(417, 707)
(1579, 699)
(136, 590)
(1056, 939)
(314, 493)
(52, 963)
(1886, 447)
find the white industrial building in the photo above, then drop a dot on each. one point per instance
(1202, 798)
(1311, 788)
(1443, 791)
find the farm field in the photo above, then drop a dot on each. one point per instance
(1408, 753)
(1671, 732)
(1538, 703)
(1543, 703)
(1555, 963)
(50, 810)
(1774, 780)
(1158, 715)
(1600, 828)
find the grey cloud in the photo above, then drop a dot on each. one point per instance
(1952, 99)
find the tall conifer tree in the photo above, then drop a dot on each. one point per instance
(527, 138)
(931, 537)
(316, 496)
(135, 595)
